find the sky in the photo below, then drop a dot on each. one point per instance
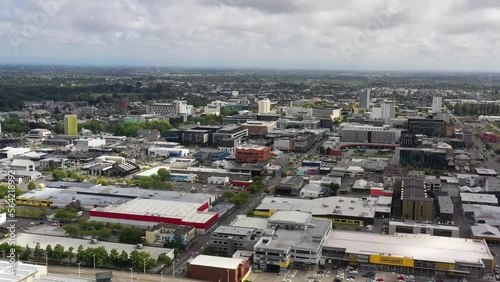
(423, 35)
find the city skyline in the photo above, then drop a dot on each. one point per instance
(323, 35)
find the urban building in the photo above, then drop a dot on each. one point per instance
(220, 269)
(446, 208)
(254, 154)
(428, 127)
(264, 106)
(163, 233)
(146, 213)
(163, 109)
(292, 239)
(39, 133)
(229, 136)
(22, 165)
(225, 240)
(468, 136)
(258, 128)
(70, 125)
(410, 253)
(410, 227)
(388, 110)
(290, 186)
(342, 210)
(416, 203)
(423, 158)
(370, 134)
(364, 99)
(437, 103)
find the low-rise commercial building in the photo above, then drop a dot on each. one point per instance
(409, 227)
(343, 210)
(292, 239)
(255, 154)
(410, 253)
(219, 269)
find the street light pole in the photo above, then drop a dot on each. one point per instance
(79, 268)
(144, 265)
(228, 275)
(46, 259)
(131, 278)
(173, 268)
(162, 276)
(94, 259)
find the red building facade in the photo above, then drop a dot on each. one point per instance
(253, 155)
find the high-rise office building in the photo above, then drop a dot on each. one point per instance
(437, 104)
(364, 99)
(264, 106)
(388, 110)
(71, 125)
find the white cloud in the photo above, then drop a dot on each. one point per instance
(426, 34)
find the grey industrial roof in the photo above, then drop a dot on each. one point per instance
(445, 204)
(291, 217)
(416, 246)
(344, 206)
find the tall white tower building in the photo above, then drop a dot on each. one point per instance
(264, 106)
(388, 110)
(437, 104)
(364, 99)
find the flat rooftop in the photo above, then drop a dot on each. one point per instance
(341, 206)
(290, 217)
(188, 212)
(445, 204)
(424, 225)
(217, 262)
(418, 247)
(23, 239)
(250, 222)
(108, 195)
(479, 198)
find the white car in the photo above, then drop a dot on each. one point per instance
(353, 272)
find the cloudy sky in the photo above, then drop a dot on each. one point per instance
(455, 35)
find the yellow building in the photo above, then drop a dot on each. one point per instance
(70, 125)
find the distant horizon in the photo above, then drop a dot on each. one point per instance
(222, 68)
(320, 35)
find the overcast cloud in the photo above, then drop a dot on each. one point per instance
(457, 35)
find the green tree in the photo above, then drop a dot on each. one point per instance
(163, 259)
(80, 253)
(124, 259)
(32, 185)
(38, 252)
(130, 235)
(59, 253)
(58, 174)
(334, 187)
(67, 215)
(25, 254)
(138, 259)
(163, 174)
(70, 253)
(114, 258)
(49, 251)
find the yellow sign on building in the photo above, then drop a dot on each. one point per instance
(284, 263)
(388, 260)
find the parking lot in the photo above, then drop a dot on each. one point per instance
(294, 275)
